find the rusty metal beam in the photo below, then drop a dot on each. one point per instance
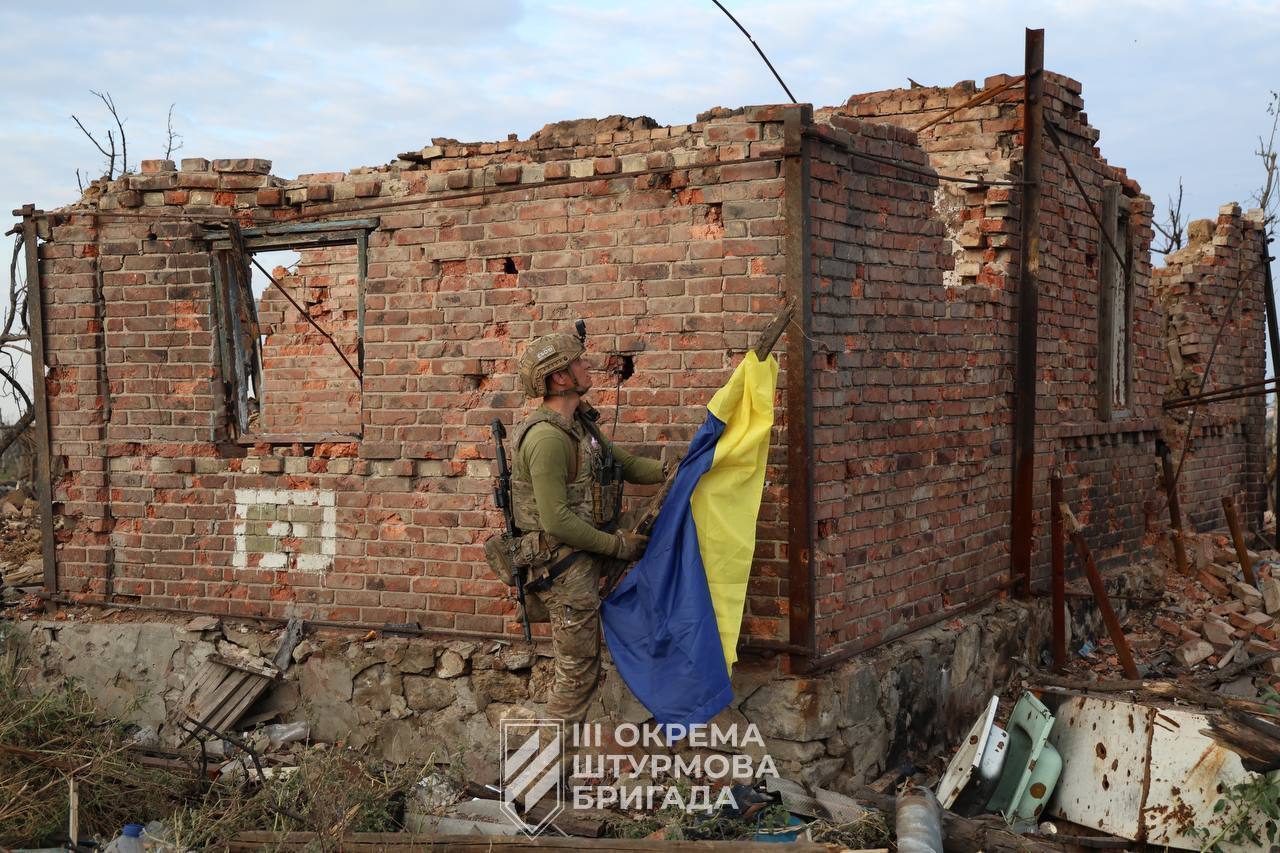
(976, 100)
(1273, 337)
(43, 474)
(1237, 537)
(801, 589)
(1024, 417)
(1058, 575)
(1109, 617)
(1175, 508)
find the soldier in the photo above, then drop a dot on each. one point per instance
(563, 506)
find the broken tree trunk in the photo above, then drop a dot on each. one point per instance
(1256, 741)
(391, 842)
(1148, 691)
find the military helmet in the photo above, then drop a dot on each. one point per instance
(544, 357)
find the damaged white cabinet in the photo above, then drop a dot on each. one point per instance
(1142, 772)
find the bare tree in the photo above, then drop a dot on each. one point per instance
(1268, 198)
(1172, 228)
(172, 139)
(14, 336)
(109, 150)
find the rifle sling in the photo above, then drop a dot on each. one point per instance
(558, 568)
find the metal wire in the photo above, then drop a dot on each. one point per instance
(776, 76)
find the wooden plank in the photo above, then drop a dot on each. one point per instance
(208, 671)
(396, 842)
(292, 636)
(252, 687)
(263, 669)
(204, 707)
(216, 717)
(43, 475)
(219, 717)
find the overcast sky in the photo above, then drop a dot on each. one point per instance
(1177, 88)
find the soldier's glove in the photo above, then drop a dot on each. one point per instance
(671, 458)
(630, 546)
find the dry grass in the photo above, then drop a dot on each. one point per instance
(45, 738)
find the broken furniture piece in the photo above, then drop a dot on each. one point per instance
(1012, 771)
(975, 769)
(1142, 772)
(1031, 766)
(223, 690)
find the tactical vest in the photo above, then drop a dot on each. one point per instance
(582, 476)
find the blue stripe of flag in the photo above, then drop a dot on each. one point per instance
(659, 623)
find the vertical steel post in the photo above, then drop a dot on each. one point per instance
(1024, 416)
(43, 475)
(1175, 508)
(1058, 578)
(801, 584)
(1273, 335)
(1237, 537)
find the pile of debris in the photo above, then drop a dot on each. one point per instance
(20, 566)
(1218, 616)
(1183, 756)
(1210, 620)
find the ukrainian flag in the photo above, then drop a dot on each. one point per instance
(672, 624)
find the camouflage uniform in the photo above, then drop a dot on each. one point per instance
(557, 503)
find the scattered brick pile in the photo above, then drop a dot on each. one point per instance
(1227, 619)
(1204, 621)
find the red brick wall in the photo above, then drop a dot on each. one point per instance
(1216, 282)
(959, 410)
(901, 416)
(666, 241)
(670, 243)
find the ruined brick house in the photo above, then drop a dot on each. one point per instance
(217, 454)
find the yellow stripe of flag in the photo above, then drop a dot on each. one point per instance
(726, 501)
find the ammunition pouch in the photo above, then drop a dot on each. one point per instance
(498, 554)
(534, 553)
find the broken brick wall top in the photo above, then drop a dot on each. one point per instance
(1212, 291)
(1099, 430)
(1103, 367)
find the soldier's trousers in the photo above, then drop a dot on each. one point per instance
(573, 604)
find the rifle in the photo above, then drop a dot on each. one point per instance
(609, 472)
(502, 497)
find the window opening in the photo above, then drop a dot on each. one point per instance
(291, 350)
(1115, 307)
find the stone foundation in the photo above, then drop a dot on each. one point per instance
(417, 699)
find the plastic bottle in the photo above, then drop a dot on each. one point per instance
(128, 841)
